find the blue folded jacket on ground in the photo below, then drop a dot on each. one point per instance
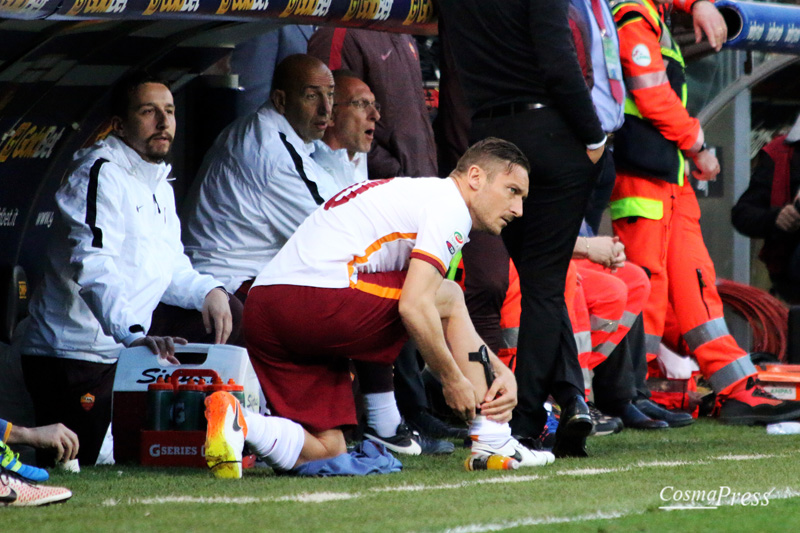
(366, 458)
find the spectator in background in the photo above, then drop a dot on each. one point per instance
(603, 73)
(114, 255)
(259, 182)
(389, 64)
(768, 210)
(343, 149)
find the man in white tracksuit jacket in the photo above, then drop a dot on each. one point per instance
(115, 254)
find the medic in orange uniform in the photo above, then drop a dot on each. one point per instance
(656, 215)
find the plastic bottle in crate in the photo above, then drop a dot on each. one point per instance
(237, 391)
(160, 396)
(190, 407)
(217, 386)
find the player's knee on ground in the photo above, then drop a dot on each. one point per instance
(322, 445)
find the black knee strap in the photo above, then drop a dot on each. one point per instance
(482, 356)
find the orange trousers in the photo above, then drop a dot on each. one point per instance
(621, 294)
(682, 276)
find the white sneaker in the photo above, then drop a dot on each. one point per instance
(512, 448)
(225, 435)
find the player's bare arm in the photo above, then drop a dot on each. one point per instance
(422, 320)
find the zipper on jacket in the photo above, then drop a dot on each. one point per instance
(702, 285)
(159, 207)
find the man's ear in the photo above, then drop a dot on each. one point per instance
(475, 177)
(278, 98)
(117, 126)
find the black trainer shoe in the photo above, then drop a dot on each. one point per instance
(409, 442)
(603, 423)
(675, 419)
(750, 404)
(430, 426)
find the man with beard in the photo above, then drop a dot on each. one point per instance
(115, 254)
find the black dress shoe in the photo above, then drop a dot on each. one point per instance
(675, 419)
(635, 419)
(574, 426)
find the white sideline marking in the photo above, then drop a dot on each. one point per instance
(777, 494)
(784, 494)
(668, 463)
(743, 457)
(589, 471)
(322, 497)
(308, 497)
(462, 484)
(510, 479)
(418, 488)
(687, 507)
(477, 528)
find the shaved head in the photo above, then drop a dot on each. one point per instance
(302, 91)
(290, 73)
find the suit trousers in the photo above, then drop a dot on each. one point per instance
(540, 243)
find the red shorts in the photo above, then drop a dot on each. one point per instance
(300, 339)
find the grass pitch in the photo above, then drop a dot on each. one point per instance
(623, 486)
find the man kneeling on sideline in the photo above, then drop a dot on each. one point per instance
(362, 273)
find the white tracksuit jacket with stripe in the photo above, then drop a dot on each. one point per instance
(114, 254)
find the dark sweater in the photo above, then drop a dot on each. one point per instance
(520, 51)
(753, 215)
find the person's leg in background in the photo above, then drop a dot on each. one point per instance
(700, 317)
(74, 393)
(541, 244)
(486, 283)
(645, 232)
(384, 422)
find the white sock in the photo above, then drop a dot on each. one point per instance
(490, 432)
(382, 413)
(277, 440)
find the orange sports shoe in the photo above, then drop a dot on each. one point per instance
(16, 492)
(225, 435)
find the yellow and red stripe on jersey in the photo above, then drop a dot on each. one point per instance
(372, 288)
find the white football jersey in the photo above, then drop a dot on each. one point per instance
(373, 226)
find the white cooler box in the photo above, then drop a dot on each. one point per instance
(138, 367)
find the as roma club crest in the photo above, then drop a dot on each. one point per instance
(87, 401)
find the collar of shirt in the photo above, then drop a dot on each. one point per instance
(284, 127)
(126, 157)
